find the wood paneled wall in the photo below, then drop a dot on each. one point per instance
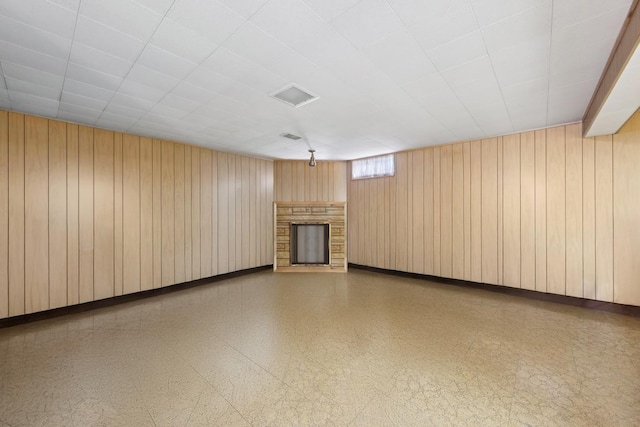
(544, 210)
(87, 214)
(295, 181)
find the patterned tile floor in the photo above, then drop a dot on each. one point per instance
(359, 349)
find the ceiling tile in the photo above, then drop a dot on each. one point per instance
(93, 77)
(21, 100)
(150, 77)
(479, 93)
(182, 41)
(72, 5)
(244, 8)
(568, 103)
(570, 12)
(34, 89)
(533, 23)
(83, 101)
(132, 102)
(79, 110)
(459, 51)
(400, 57)
(94, 34)
(126, 16)
(436, 22)
(141, 90)
(158, 6)
(287, 20)
(167, 63)
(252, 44)
(30, 58)
(489, 12)
(124, 111)
(84, 89)
(41, 14)
(207, 18)
(192, 92)
(329, 9)
(368, 22)
(475, 70)
(180, 103)
(209, 80)
(89, 57)
(33, 38)
(31, 75)
(523, 62)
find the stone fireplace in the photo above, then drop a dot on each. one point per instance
(310, 236)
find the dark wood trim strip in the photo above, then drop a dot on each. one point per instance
(93, 305)
(628, 310)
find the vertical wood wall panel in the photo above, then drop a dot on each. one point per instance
(417, 226)
(223, 213)
(428, 211)
(36, 230)
(206, 207)
(57, 214)
(254, 207)
(179, 203)
(511, 210)
(541, 210)
(556, 199)
(103, 214)
(214, 213)
(86, 179)
(188, 244)
(500, 212)
(437, 191)
(131, 201)
(16, 214)
(73, 240)
(146, 214)
(402, 172)
(168, 214)
(490, 211)
(466, 174)
(295, 181)
(446, 182)
(157, 213)
(4, 214)
(118, 215)
(195, 213)
(604, 218)
(626, 213)
(476, 211)
(589, 218)
(457, 213)
(233, 220)
(91, 213)
(574, 244)
(246, 212)
(527, 211)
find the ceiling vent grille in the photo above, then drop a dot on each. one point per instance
(294, 96)
(291, 136)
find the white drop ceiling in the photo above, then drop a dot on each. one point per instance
(390, 74)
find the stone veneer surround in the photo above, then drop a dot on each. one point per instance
(287, 213)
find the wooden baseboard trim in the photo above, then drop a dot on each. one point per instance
(108, 302)
(628, 310)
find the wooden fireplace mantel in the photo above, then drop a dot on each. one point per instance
(286, 213)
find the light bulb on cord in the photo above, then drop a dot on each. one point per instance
(312, 160)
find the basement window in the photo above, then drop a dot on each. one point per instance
(373, 167)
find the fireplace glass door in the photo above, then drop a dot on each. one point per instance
(309, 243)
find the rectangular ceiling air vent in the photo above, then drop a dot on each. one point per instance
(291, 136)
(294, 95)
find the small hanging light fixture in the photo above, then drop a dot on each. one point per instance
(312, 160)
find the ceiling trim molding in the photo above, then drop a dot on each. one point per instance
(626, 44)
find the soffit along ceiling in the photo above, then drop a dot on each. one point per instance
(390, 74)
